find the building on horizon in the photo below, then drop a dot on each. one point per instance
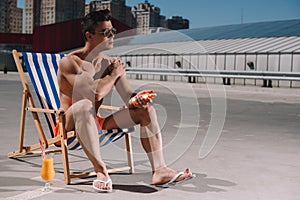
(86, 9)
(43, 12)
(10, 17)
(177, 22)
(118, 9)
(147, 17)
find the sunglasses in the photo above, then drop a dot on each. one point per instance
(109, 32)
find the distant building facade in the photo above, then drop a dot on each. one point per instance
(17, 20)
(147, 17)
(144, 17)
(118, 9)
(10, 17)
(87, 9)
(177, 22)
(43, 12)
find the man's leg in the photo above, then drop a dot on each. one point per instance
(81, 117)
(150, 138)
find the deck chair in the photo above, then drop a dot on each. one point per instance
(42, 69)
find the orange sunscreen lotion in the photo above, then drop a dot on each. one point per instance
(133, 100)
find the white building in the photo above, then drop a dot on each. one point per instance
(270, 46)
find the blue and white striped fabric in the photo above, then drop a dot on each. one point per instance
(42, 69)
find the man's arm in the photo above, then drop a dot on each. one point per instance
(126, 92)
(82, 82)
(124, 89)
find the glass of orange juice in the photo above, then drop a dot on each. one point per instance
(47, 172)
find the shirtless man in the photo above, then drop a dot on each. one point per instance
(85, 77)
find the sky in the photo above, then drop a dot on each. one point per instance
(206, 13)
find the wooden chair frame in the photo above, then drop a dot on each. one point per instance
(28, 105)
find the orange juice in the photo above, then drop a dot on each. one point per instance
(47, 171)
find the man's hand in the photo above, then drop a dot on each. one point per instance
(117, 68)
(113, 73)
(142, 98)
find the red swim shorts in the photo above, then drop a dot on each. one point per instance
(99, 123)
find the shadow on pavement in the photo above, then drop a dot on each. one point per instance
(199, 184)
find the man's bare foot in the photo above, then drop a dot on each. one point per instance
(104, 182)
(164, 175)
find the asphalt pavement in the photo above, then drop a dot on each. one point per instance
(241, 142)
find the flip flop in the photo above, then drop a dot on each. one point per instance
(105, 183)
(173, 181)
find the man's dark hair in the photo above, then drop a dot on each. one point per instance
(90, 21)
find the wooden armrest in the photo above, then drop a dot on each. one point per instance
(42, 110)
(110, 107)
(51, 111)
(19, 54)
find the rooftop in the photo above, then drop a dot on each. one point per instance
(248, 30)
(275, 36)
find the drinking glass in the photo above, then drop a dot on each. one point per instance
(47, 172)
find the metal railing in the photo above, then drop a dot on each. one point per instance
(268, 66)
(289, 76)
(267, 77)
